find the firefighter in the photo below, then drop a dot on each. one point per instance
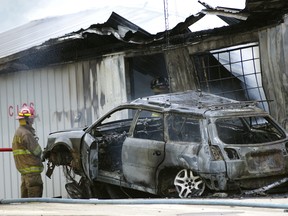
(160, 85)
(27, 154)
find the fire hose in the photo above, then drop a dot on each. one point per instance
(5, 149)
(150, 201)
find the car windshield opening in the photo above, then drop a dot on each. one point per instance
(248, 130)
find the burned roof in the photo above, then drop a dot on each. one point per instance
(195, 101)
(265, 6)
(118, 34)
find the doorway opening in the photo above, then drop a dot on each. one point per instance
(143, 70)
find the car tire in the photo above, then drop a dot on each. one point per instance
(115, 192)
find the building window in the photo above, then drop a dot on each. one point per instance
(233, 72)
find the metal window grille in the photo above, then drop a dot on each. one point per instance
(233, 72)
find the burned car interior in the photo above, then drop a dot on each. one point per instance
(111, 136)
(248, 130)
(110, 139)
(183, 128)
(150, 127)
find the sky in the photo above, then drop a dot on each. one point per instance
(14, 13)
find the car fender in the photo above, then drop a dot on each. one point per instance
(189, 162)
(59, 152)
(62, 141)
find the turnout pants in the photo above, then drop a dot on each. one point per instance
(32, 185)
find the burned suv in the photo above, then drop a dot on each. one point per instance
(173, 145)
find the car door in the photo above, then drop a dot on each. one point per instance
(144, 150)
(102, 145)
(89, 156)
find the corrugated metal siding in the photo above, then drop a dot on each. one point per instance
(65, 96)
(180, 70)
(274, 55)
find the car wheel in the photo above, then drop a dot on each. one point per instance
(188, 184)
(99, 190)
(115, 192)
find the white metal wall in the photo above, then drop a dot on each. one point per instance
(64, 96)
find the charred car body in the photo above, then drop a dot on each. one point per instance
(173, 145)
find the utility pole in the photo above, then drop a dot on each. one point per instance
(166, 18)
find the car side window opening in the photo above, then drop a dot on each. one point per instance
(183, 128)
(111, 133)
(119, 121)
(248, 130)
(149, 125)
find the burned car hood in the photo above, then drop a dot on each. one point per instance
(71, 137)
(68, 130)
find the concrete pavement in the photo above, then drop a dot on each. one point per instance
(169, 209)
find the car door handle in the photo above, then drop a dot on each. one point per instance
(157, 153)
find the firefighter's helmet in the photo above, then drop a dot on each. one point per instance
(160, 83)
(26, 112)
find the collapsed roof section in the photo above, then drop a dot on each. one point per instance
(117, 26)
(264, 6)
(126, 31)
(123, 30)
(229, 15)
(119, 34)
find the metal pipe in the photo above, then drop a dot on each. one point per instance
(212, 202)
(5, 149)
